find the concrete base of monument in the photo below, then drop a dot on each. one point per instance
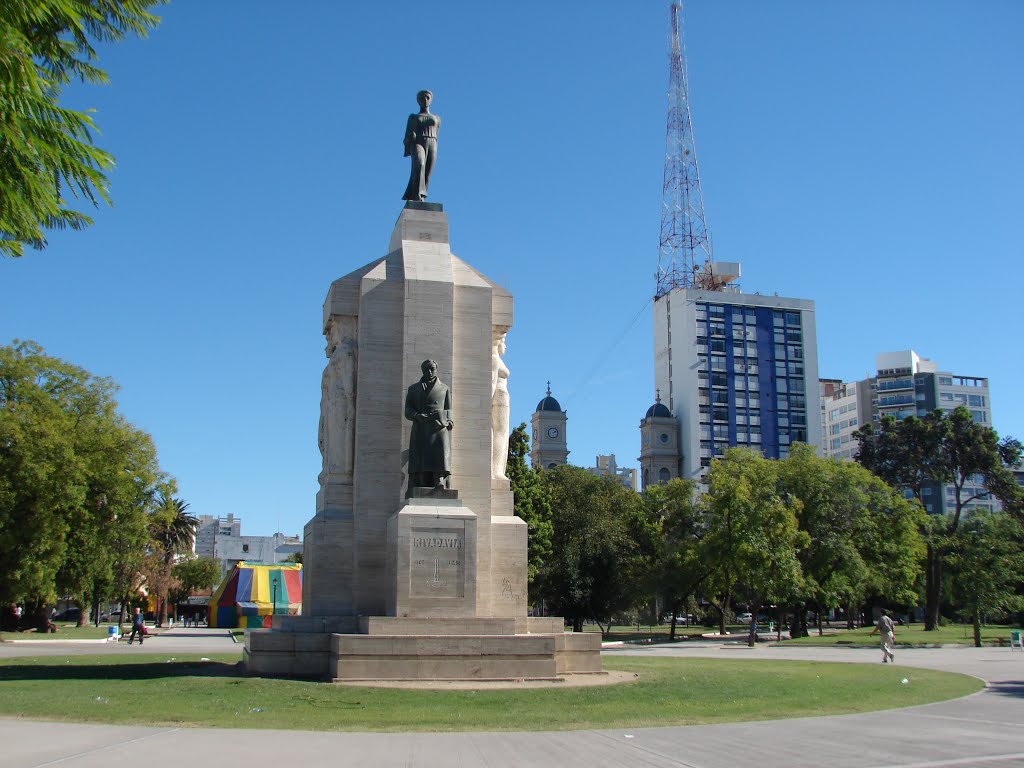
(395, 648)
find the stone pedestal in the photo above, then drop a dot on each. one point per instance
(433, 585)
(432, 559)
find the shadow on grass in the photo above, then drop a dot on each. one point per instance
(132, 671)
(1014, 688)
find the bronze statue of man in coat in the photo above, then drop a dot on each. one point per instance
(428, 405)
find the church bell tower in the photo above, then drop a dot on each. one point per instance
(660, 459)
(548, 447)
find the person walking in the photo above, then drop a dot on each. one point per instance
(886, 630)
(138, 625)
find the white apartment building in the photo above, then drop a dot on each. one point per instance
(905, 384)
(221, 538)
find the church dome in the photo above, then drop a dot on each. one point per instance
(658, 410)
(548, 403)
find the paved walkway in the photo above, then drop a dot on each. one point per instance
(986, 729)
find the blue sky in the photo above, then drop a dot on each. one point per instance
(866, 155)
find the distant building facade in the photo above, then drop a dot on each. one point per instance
(607, 467)
(904, 384)
(736, 369)
(221, 538)
(210, 528)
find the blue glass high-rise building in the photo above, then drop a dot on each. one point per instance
(736, 369)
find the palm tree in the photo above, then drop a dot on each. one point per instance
(174, 533)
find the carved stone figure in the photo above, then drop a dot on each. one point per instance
(428, 406)
(338, 398)
(499, 409)
(421, 145)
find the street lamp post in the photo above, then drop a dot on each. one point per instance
(274, 582)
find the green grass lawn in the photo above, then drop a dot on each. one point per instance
(65, 631)
(912, 634)
(654, 633)
(153, 689)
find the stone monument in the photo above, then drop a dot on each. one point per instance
(414, 565)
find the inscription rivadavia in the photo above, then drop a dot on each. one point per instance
(439, 542)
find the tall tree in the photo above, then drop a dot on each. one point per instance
(46, 151)
(947, 449)
(752, 537)
(68, 463)
(862, 535)
(532, 504)
(597, 560)
(680, 567)
(986, 562)
(174, 533)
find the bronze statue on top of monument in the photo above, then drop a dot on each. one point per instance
(421, 145)
(428, 405)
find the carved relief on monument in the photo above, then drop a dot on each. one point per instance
(499, 406)
(338, 399)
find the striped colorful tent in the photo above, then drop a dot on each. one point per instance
(253, 591)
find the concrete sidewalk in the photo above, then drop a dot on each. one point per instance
(986, 729)
(200, 640)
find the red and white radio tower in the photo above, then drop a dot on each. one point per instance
(684, 258)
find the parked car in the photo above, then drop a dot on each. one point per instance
(71, 614)
(744, 618)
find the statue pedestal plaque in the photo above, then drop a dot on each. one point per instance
(432, 560)
(410, 582)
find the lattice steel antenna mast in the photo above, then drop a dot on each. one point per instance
(684, 258)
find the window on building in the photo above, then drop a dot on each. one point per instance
(663, 475)
(976, 400)
(946, 397)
